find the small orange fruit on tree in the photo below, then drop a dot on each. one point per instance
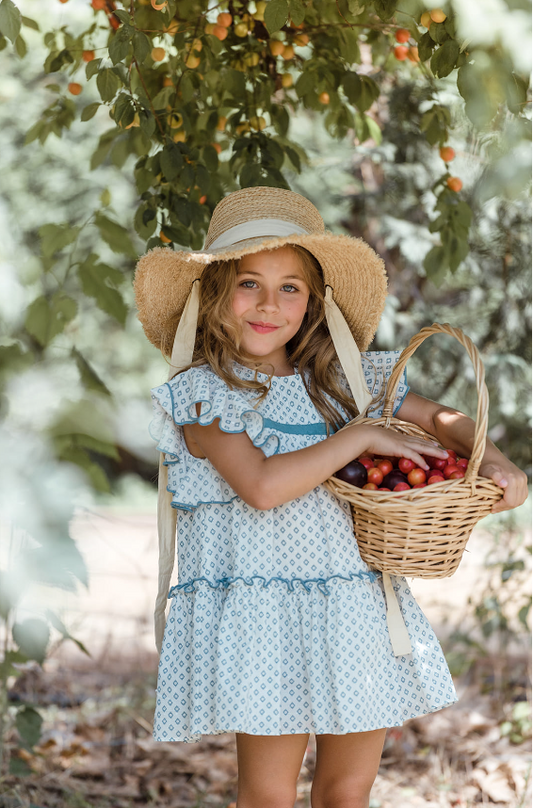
(402, 35)
(324, 98)
(87, 55)
(454, 184)
(401, 52)
(224, 19)
(286, 80)
(437, 15)
(301, 39)
(220, 31)
(192, 61)
(158, 54)
(413, 54)
(288, 52)
(241, 29)
(74, 88)
(98, 5)
(447, 153)
(276, 47)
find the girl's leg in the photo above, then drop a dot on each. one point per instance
(268, 768)
(346, 767)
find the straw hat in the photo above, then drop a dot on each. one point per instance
(245, 222)
(249, 221)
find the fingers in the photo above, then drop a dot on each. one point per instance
(513, 484)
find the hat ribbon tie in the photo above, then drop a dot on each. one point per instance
(182, 353)
(253, 229)
(348, 352)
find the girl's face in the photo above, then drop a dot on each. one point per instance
(270, 300)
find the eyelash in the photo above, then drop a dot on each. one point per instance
(283, 287)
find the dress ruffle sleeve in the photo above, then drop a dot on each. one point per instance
(194, 481)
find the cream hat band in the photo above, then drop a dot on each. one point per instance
(259, 227)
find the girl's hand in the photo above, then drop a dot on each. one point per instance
(510, 478)
(389, 443)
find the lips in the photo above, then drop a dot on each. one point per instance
(263, 328)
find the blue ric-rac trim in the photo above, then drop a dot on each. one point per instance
(222, 583)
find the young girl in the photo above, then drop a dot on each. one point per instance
(277, 628)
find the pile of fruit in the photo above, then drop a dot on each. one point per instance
(401, 474)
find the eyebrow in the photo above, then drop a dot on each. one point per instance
(258, 275)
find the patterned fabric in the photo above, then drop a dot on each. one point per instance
(276, 625)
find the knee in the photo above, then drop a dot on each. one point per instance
(345, 794)
(267, 796)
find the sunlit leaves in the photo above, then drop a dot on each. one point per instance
(47, 317)
(276, 15)
(108, 84)
(99, 281)
(10, 20)
(55, 237)
(444, 59)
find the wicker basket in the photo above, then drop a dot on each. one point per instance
(422, 532)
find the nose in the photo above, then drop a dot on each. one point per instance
(268, 300)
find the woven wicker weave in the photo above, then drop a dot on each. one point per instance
(422, 532)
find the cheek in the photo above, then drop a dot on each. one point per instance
(238, 303)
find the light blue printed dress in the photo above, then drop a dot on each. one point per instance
(276, 625)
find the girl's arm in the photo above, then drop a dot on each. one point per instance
(264, 482)
(456, 431)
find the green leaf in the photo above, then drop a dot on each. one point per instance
(58, 624)
(108, 84)
(21, 47)
(141, 46)
(89, 377)
(95, 473)
(28, 722)
(115, 235)
(96, 279)
(374, 130)
(425, 47)
(516, 93)
(444, 59)
(438, 32)
(235, 82)
(349, 45)
(435, 264)
(47, 318)
(29, 23)
(120, 43)
(171, 161)
(89, 111)
(55, 237)
(92, 68)
(18, 767)
(32, 636)
(385, 9)
(297, 11)
(276, 15)
(11, 658)
(10, 20)
(34, 132)
(305, 83)
(123, 16)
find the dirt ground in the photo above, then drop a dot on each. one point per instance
(96, 749)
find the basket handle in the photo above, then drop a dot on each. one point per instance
(482, 415)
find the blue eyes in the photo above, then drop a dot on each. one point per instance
(287, 286)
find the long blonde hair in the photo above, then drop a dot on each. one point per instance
(219, 335)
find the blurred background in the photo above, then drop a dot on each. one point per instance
(81, 198)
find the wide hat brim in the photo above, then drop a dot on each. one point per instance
(356, 274)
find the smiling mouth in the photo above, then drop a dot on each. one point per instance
(263, 328)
